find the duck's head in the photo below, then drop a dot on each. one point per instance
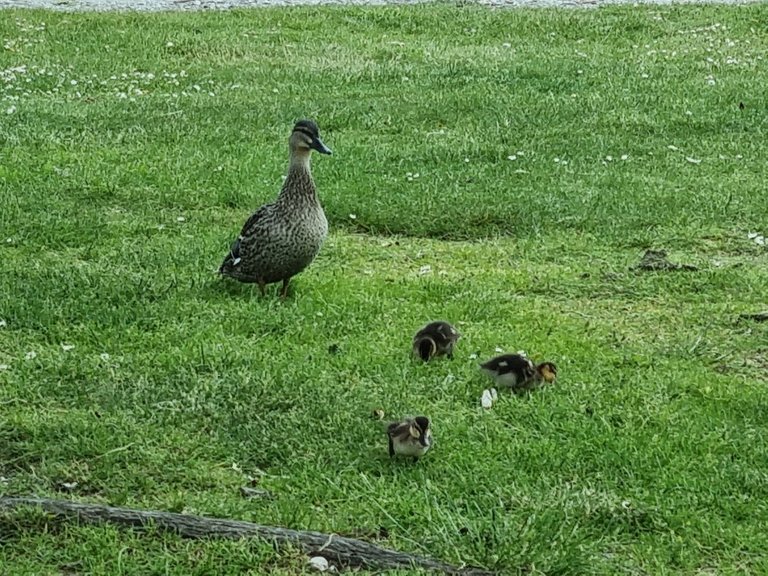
(306, 137)
(425, 348)
(420, 430)
(547, 371)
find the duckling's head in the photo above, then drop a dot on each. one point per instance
(425, 347)
(420, 429)
(547, 371)
(306, 137)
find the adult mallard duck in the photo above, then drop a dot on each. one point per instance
(281, 239)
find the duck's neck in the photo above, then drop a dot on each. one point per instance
(299, 182)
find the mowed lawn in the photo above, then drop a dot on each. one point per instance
(501, 169)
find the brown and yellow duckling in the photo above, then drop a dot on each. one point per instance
(410, 437)
(435, 339)
(518, 373)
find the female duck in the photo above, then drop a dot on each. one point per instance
(281, 239)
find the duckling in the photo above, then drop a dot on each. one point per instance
(435, 339)
(510, 370)
(410, 437)
(517, 372)
(281, 239)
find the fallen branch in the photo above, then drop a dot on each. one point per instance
(339, 549)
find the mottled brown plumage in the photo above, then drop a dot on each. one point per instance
(281, 239)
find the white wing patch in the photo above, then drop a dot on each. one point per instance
(236, 262)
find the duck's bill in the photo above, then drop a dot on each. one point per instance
(318, 145)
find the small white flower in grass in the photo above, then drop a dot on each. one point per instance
(180, 219)
(31, 355)
(169, 44)
(3, 323)
(512, 157)
(275, 90)
(506, 45)
(557, 160)
(424, 270)
(609, 158)
(499, 350)
(739, 156)
(579, 71)
(67, 347)
(4, 367)
(688, 113)
(104, 357)
(693, 160)
(673, 147)
(626, 504)
(711, 80)
(73, 82)
(625, 156)
(9, 240)
(10, 110)
(644, 75)
(473, 356)
(353, 216)
(197, 88)
(466, 159)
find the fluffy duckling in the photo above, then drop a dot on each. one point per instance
(410, 437)
(281, 239)
(517, 372)
(435, 339)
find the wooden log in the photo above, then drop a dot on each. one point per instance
(338, 549)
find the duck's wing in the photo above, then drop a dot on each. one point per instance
(248, 235)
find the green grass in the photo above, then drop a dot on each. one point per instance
(648, 457)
